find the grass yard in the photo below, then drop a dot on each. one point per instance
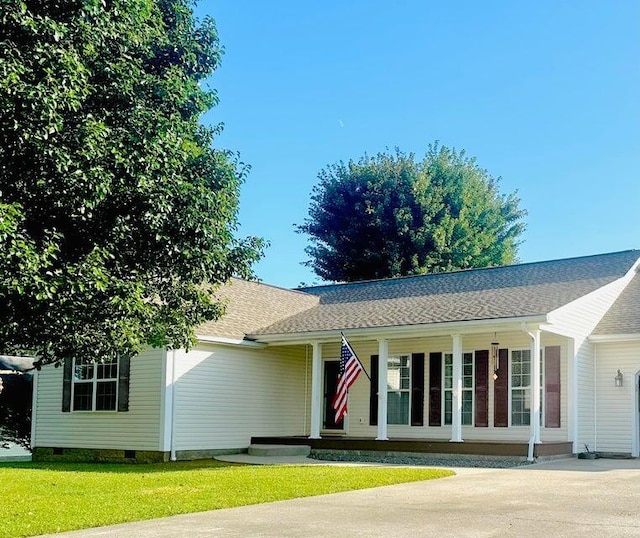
(41, 498)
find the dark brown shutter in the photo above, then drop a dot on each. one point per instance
(552, 386)
(67, 379)
(435, 389)
(373, 392)
(123, 383)
(417, 389)
(501, 392)
(481, 390)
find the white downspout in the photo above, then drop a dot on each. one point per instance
(172, 448)
(34, 407)
(595, 398)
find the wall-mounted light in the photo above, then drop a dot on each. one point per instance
(619, 378)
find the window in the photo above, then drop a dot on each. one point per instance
(95, 385)
(520, 387)
(398, 389)
(467, 388)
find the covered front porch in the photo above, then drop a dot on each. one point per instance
(500, 389)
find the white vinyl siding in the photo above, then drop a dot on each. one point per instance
(578, 319)
(617, 416)
(225, 394)
(136, 429)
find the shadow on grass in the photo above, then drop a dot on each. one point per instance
(123, 468)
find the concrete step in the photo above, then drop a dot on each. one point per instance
(279, 450)
(13, 452)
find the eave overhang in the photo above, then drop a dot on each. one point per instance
(404, 331)
(631, 337)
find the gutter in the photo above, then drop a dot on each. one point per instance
(630, 337)
(228, 341)
(401, 331)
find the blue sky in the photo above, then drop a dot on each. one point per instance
(545, 94)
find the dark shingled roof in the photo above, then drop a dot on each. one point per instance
(523, 290)
(253, 305)
(624, 316)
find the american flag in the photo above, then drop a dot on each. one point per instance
(350, 368)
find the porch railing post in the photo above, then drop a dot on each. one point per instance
(383, 354)
(456, 419)
(316, 390)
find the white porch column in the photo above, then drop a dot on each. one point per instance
(316, 390)
(456, 419)
(535, 385)
(383, 357)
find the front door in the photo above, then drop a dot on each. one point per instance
(331, 371)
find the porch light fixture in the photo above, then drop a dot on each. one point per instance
(618, 379)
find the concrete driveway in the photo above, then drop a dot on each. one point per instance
(562, 498)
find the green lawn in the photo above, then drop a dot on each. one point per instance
(41, 498)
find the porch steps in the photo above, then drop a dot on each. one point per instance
(278, 451)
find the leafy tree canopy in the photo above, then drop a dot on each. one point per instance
(117, 215)
(392, 215)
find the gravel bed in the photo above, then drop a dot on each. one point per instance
(432, 461)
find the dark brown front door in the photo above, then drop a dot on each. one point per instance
(331, 371)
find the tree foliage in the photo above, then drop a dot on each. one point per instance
(392, 215)
(117, 215)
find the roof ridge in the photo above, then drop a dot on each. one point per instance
(458, 271)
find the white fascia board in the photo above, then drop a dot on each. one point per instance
(405, 331)
(554, 330)
(614, 337)
(228, 341)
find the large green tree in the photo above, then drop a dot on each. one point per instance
(117, 215)
(393, 215)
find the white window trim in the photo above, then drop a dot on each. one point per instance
(94, 392)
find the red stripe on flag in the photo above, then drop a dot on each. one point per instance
(350, 368)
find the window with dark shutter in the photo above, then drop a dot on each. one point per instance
(124, 365)
(435, 389)
(373, 392)
(481, 390)
(552, 386)
(417, 389)
(95, 386)
(67, 379)
(501, 391)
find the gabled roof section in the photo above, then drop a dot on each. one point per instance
(515, 291)
(251, 306)
(623, 318)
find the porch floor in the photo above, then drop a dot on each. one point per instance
(423, 446)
